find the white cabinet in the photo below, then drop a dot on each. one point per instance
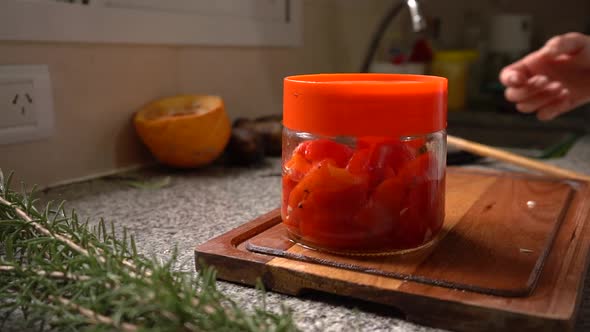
(189, 22)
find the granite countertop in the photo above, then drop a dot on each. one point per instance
(199, 205)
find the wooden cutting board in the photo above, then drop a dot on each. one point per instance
(512, 255)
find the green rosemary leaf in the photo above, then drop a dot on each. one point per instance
(133, 246)
(6, 184)
(150, 184)
(8, 249)
(59, 212)
(38, 240)
(102, 230)
(10, 222)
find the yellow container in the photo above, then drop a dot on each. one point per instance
(454, 65)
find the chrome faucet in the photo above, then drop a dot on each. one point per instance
(418, 25)
(418, 21)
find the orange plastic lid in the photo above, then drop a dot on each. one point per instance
(365, 104)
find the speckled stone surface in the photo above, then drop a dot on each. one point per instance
(202, 204)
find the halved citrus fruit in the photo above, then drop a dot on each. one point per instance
(184, 131)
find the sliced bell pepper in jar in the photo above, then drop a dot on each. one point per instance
(379, 218)
(321, 149)
(297, 167)
(385, 151)
(422, 209)
(379, 158)
(287, 188)
(325, 202)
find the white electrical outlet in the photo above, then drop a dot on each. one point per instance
(18, 105)
(26, 105)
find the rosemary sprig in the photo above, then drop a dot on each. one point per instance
(65, 275)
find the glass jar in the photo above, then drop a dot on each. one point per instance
(364, 157)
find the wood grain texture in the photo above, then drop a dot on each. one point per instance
(533, 257)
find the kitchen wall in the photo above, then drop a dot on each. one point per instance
(97, 87)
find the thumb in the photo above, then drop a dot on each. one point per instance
(569, 44)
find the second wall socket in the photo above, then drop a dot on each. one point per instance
(26, 103)
(17, 106)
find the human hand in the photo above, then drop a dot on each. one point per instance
(552, 80)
